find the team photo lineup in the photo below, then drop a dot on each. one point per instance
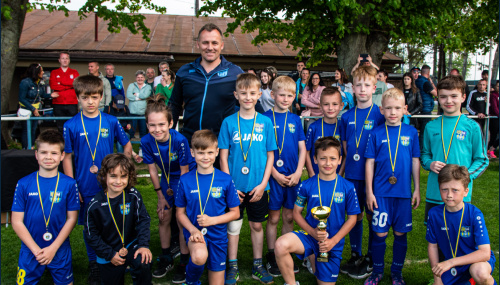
(307, 162)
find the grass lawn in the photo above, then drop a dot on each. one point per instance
(416, 269)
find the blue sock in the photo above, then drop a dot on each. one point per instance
(193, 273)
(379, 246)
(356, 237)
(399, 253)
(90, 251)
(371, 234)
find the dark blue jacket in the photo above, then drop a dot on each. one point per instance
(427, 99)
(31, 93)
(207, 98)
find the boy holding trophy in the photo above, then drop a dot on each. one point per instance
(329, 198)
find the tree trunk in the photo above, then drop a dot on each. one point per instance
(350, 49)
(11, 33)
(495, 67)
(442, 62)
(434, 62)
(465, 57)
(450, 62)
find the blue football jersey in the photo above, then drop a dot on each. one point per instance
(318, 130)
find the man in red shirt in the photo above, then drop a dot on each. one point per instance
(61, 82)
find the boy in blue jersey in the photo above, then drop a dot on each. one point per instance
(355, 127)
(289, 161)
(326, 189)
(452, 138)
(117, 224)
(203, 196)
(167, 148)
(392, 158)
(89, 137)
(44, 212)
(247, 145)
(331, 104)
(458, 229)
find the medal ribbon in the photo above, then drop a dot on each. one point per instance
(202, 209)
(161, 159)
(122, 236)
(334, 189)
(276, 134)
(446, 153)
(393, 165)
(54, 197)
(334, 131)
(454, 254)
(355, 120)
(245, 155)
(87, 138)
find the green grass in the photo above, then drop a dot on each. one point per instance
(415, 271)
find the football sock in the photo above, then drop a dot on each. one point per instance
(399, 253)
(356, 237)
(378, 247)
(193, 273)
(184, 259)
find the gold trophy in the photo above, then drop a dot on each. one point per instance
(321, 213)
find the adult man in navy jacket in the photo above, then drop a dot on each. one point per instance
(205, 86)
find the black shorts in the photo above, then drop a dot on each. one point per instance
(428, 207)
(256, 211)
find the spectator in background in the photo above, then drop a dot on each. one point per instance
(413, 100)
(273, 70)
(492, 146)
(65, 103)
(415, 72)
(301, 85)
(363, 61)
(31, 90)
(296, 75)
(456, 72)
(382, 76)
(342, 82)
(166, 85)
(137, 94)
(150, 77)
(310, 98)
(476, 103)
(118, 108)
(252, 71)
(162, 66)
(428, 92)
(266, 78)
(115, 81)
(106, 96)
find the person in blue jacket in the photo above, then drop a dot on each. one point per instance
(205, 86)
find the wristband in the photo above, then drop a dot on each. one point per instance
(158, 189)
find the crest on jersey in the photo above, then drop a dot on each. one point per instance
(465, 232)
(259, 128)
(368, 125)
(104, 132)
(339, 197)
(216, 192)
(291, 127)
(58, 197)
(127, 208)
(405, 141)
(173, 156)
(461, 135)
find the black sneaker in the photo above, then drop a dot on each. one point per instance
(295, 268)
(350, 265)
(272, 266)
(175, 250)
(94, 275)
(162, 267)
(180, 274)
(363, 270)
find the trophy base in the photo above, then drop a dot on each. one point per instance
(322, 258)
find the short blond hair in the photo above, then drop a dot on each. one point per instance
(247, 80)
(393, 93)
(284, 82)
(365, 72)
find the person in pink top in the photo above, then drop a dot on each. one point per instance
(492, 146)
(311, 96)
(65, 103)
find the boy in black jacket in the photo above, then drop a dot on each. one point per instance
(120, 238)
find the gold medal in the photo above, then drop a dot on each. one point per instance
(356, 157)
(170, 192)
(123, 252)
(393, 178)
(94, 169)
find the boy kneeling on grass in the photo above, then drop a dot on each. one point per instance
(117, 224)
(203, 196)
(326, 189)
(459, 230)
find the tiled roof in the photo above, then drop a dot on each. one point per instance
(170, 34)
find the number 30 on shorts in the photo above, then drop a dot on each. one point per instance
(379, 219)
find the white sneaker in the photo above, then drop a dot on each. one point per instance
(306, 263)
(140, 152)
